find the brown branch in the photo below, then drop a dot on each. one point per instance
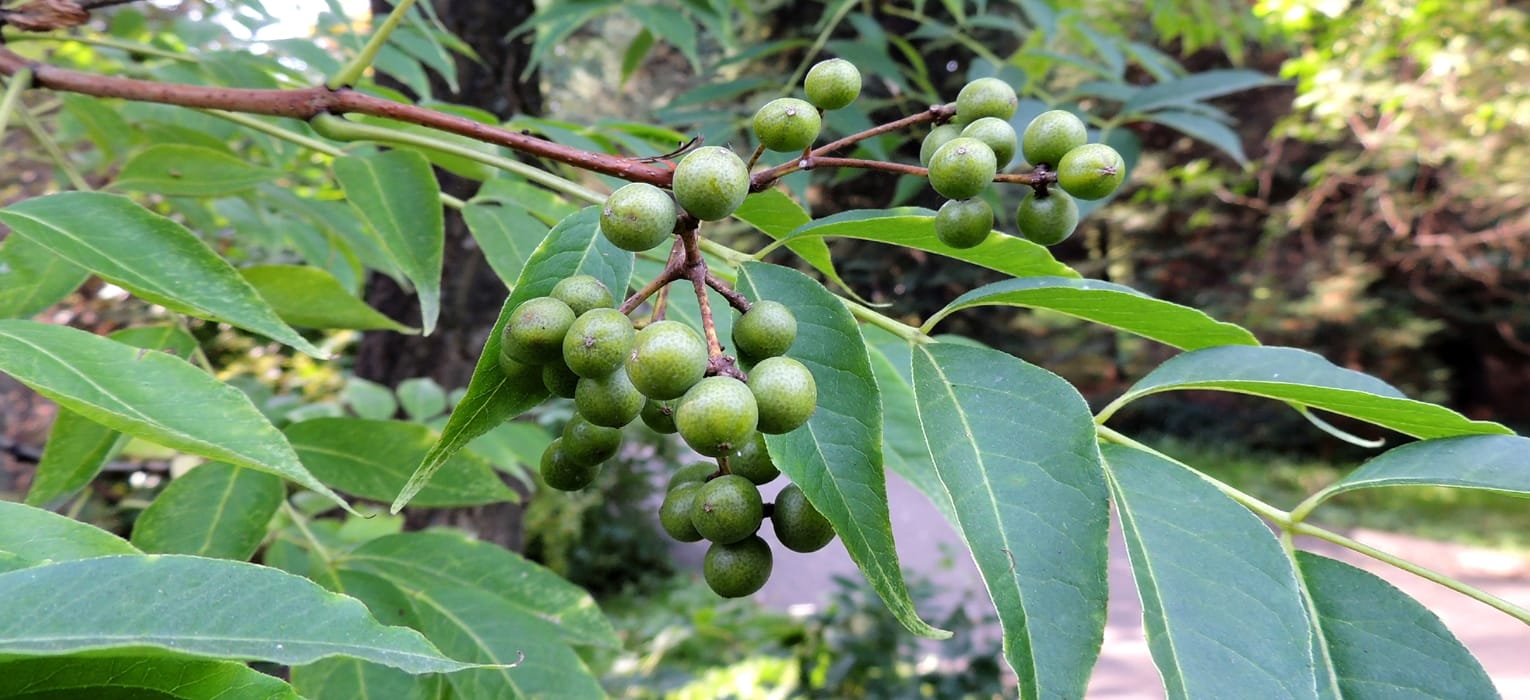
(735, 299)
(762, 180)
(695, 270)
(674, 269)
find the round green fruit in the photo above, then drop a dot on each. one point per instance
(710, 182)
(667, 358)
(1050, 136)
(767, 329)
(784, 392)
(787, 124)
(598, 342)
(738, 569)
(659, 416)
(559, 379)
(611, 401)
(752, 461)
(938, 136)
(695, 472)
(798, 525)
(727, 509)
(562, 473)
(964, 223)
(637, 217)
(985, 97)
(1091, 171)
(582, 293)
(962, 168)
(1047, 220)
(675, 512)
(999, 136)
(589, 444)
(534, 333)
(832, 84)
(716, 416)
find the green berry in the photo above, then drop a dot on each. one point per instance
(832, 84)
(695, 472)
(667, 358)
(986, 97)
(562, 473)
(999, 136)
(784, 392)
(752, 461)
(582, 293)
(710, 182)
(611, 401)
(962, 168)
(964, 223)
(659, 416)
(767, 329)
(787, 124)
(589, 444)
(1047, 220)
(727, 509)
(637, 217)
(937, 137)
(513, 367)
(1050, 136)
(738, 569)
(798, 525)
(598, 342)
(1091, 171)
(534, 333)
(675, 512)
(716, 416)
(559, 379)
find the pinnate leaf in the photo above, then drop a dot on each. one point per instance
(215, 510)
(1486, 462)
(160, 677)
(372, 459)
(184, 170)
(397, 195)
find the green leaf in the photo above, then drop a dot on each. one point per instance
(396, 194)
(775, 214)
(151, 256)
(369, 399)
(33, 278)
(572, 247)
(507, 234)
(1190, 544)
(372, 458)
(309, 297)
(101, 121)
(836, 458)
(1113, 305)
(1380, 643)
(1015, 447)
(1204, 129)
(914, 227)
(1487, 462)
(633, 56)
(149, 395)
(138, 677)
(903, 446)
(422, 397)
(192, 605)
(341, 677)
(215, 510)
(1194, 88)
(671, 25)
(33, 536)
(1305, 379)
(182, 170)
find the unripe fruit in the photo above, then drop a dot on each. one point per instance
(637, 217)
(999, 136)
(512, 367)
(767, 329)
(695, 472)
(784, 392)
(985, 97)
(727, 509)
(964, 223)
(939, 136)
(559, 380)
(962, 168)
(675, 512)
(787, 124)
(582, 293)
(1050, 136)
(610, 401)
(716, 416)
(752, 461)
(798, 525)
(1047, 220)
(659, 416)
(832, 84)
(667, 358)
(534, 333)
(598, 342)
(738, 569)
(589, 444)
(710, 182)
(562, 473)
(1091, 171)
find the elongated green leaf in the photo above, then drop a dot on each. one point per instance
(421, 397)
(1487, 462)
(1194, 88)
(1190, 544)
(33, 536)
(507, 234)
(191, 605)
(837, 456)
(156, 259)
(1306, 379)
(1108, 304)
(1014, 445)
(396, 194)
(215, 510)
(372, 459)
(903, 445)
(914, 227)
(774, 213)
(1380, 643)
(149, 395)
(309, 297)
(341, 677)
(183, 170)
(138, 677)
(33, 278)
(572, 247)
(1202, 128)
